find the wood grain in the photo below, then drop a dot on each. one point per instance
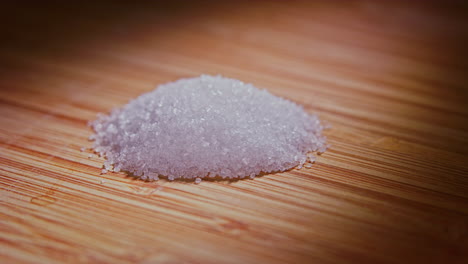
(389, 77)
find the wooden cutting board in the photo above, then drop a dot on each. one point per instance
(389, 77)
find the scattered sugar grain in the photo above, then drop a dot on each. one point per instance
(209, 126)
(153, 176)
(311, 158)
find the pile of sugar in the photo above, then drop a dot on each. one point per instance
(209, 126)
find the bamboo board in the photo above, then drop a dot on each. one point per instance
(389, 78)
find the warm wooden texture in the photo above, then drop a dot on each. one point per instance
(389, 77)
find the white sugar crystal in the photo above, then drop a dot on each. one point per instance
(322, 149)
(311, 158)
(153, 176)
(206, 127)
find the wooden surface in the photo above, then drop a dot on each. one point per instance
(390, 78)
